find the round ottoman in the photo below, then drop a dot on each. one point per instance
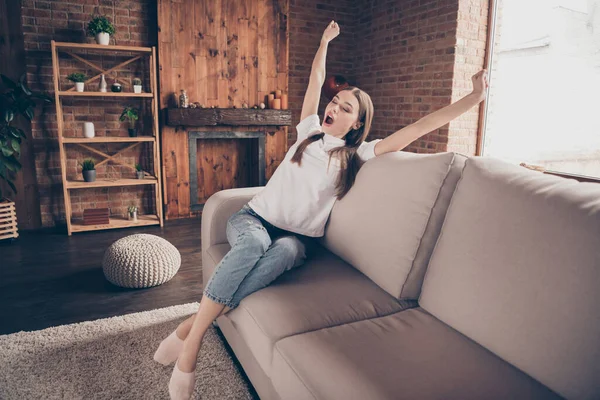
(140, 261)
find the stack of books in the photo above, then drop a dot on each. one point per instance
(95, 216)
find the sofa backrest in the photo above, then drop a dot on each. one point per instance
(387, 224)
(517, 269)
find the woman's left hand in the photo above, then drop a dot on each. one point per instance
(480, 84)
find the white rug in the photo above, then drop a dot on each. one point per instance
(111, 359)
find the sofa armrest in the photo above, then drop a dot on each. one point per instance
(217, 210)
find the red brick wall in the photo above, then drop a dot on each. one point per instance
(135, 23)
(412, 57)
(406, 64)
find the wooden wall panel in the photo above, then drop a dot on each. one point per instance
(223, 53)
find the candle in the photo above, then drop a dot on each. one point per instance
(284, 101)
(278, 94)
(270, 101)
(277, 104)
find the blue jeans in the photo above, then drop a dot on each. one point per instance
(260, 252)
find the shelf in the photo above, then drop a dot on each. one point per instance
(227, 116)
(103, 94)
(98, 183)
(115, 223)
(91, 46)
(107, 139)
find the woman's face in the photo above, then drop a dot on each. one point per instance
(341, 114)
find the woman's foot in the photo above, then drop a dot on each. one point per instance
(181, 385)
(169, 349)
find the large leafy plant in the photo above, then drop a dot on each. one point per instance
(15, 99)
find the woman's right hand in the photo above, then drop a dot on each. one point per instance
(331, 32)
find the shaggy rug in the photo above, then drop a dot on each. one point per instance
(111, 358)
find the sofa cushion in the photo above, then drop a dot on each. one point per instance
(517, 269)
(323, 292)
(378, 226)
(407, 355)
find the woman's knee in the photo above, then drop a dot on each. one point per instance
(292, 248)
(255, 238)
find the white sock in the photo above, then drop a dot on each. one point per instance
(169, 349)
(181, 385)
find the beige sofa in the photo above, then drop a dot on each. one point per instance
(439, 277)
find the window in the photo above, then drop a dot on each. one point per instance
(544, 97)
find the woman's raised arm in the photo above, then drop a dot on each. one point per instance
(317, 73)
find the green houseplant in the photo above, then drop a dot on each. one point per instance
(88, 167)
(130, 114)
(132, 211)
(100, 28)
(15, 98)
(140, 172)
(79, 78)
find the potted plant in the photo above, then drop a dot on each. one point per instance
(15, 99)
(140, 172)
(100, 28)
(88, 167)
(79, 79)
(137, 85)
(132, 213)
(130, 114)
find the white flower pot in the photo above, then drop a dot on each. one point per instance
(137, 88)
(79, 86)
(102, 38)
(88, 129)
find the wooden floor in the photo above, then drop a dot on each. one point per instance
(49, 279)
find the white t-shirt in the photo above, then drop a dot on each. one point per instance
(300, 198)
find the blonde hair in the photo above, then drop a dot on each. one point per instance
(347, 154)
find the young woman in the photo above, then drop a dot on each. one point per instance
(276, 230)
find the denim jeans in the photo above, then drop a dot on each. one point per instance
(260, 252)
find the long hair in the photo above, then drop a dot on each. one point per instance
(347, 154)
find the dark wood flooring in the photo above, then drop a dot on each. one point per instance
(49, 279)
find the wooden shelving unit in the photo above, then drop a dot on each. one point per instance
(59, 94)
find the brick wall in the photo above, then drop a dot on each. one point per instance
(135, 24)
(471, 34)
(412, 57)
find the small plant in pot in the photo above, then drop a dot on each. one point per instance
(130, 114)
(100, 28)
(88, 167)
(132, 213)
(137, 85)
(140, 172)
(79, 79)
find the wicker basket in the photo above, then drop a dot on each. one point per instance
(8, 220)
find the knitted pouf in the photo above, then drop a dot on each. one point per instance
(140, 261)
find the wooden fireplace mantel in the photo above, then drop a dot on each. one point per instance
(227, 117)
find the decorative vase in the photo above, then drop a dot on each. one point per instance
(184, 101)
(89, 176)
(88, 129)
(133, 216)
(79, 86)
(333, 85)
(140, 174)
(116, 87)
(132, 132)
(102, 38)
(103, 84)
(137, 88)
